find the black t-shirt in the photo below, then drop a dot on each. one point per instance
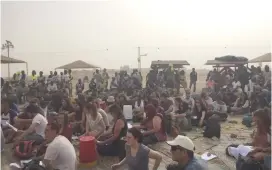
(183, 109)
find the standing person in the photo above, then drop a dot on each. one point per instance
(41, 78)
(193, 79)
(79, 87)
(70, 82)
(182, 149)
(98, 80)
(106, 77)
(137, 154)
(60, 153)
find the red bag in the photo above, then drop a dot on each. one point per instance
(24, 150)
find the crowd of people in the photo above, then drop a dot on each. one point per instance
(159, 112)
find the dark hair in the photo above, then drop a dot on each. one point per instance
(116, 110)
(32, 108)
(178, 99)
(155, 102)
(136, 133)
(164, 95)
(91, 107)
(54, 125)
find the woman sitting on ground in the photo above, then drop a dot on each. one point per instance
(241, 105)
(111, 143)
(137, 154)
(94, 124)
(154, 126)
(200, 113)
(66, 106)
(261, 137)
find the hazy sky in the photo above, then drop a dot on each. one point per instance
(50, 34)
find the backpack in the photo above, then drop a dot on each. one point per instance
(24, 150)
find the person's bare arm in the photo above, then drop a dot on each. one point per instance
(158, 158)
(202, 118)
(156, 126)
(116, 132)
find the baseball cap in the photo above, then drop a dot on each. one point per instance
(182, 141)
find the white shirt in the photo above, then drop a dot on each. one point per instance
(141, 107)
(236, 84)
(62, 154)
(42, 123)
(52, 87)
(66, 77)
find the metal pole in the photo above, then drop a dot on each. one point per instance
(8, 63)
(139, 59)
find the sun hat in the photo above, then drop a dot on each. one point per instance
(182, 141)
(111, 99)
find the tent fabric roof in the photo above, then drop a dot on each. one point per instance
(225, 63)
(165, 63)
(263, 58)
(79, 64)
(8, 60)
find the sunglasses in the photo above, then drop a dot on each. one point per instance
(174, 148)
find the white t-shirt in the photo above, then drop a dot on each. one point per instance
(52, 87)
(42, 123)
(236, 84)
(62, 154)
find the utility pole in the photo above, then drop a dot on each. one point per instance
(140, 59)
(7, 46)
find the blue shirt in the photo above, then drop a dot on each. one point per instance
(196, 164)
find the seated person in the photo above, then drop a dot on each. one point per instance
(261, 137)
(155, 102)
(137, 154)
(104, 115)
(182, 150)
(179, 116)
(200, 114)
(154, 126)
(212, 127)
(7, 115)
(36, 131)
(66, 129)
(111, 143)
(220, 108)
(138, 109)
(66, 106)
(241, 105)
(94, 124)
(60, 153)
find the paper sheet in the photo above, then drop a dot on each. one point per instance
(127, 111)
(129, 125)
(207, 156)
